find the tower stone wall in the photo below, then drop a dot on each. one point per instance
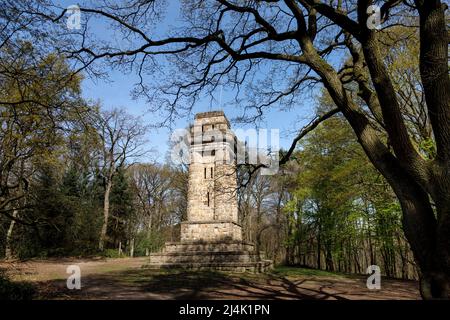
(212, 212)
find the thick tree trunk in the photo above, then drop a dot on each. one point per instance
(435, 283)
(428, 243)
(427, 236)
(101, 243)
(434, 72)
(8, 245)
(407, 172)
(420, 225)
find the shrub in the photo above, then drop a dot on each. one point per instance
(112, 253)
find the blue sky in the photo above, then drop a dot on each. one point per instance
(115, 91)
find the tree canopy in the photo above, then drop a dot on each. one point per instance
(271, 53)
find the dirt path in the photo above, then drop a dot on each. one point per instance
(125, 279)
(54, 269)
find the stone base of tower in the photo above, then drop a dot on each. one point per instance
(235, 256)
(214, 230)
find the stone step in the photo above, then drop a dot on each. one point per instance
(254, 266)
(204, 256)
(207, 246)
(204, 252)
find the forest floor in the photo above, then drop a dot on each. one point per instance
(125, 279)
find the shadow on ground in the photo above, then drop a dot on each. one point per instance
(149, 284)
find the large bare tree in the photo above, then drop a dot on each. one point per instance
(122, 138)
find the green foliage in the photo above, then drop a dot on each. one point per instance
(340, 204)
(112, 253)
(290, 271)
(428, 146)
(69, 215)
(151, 241)
(38, 132)
(122, 209)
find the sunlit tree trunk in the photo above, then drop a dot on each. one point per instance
(9, 233)
(101, 243)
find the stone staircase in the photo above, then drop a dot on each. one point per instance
(235, 256)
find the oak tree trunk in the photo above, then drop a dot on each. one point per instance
(8, 245)
(101, 243)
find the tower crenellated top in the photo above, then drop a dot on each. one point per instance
(209, 114)
(209, 127)
(212, 139)
(210, 118)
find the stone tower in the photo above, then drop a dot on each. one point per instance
(211, 238)
(212, 210)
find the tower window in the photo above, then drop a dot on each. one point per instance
(211, 172)
(207, 196)
(213, 152)
(205, 173)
